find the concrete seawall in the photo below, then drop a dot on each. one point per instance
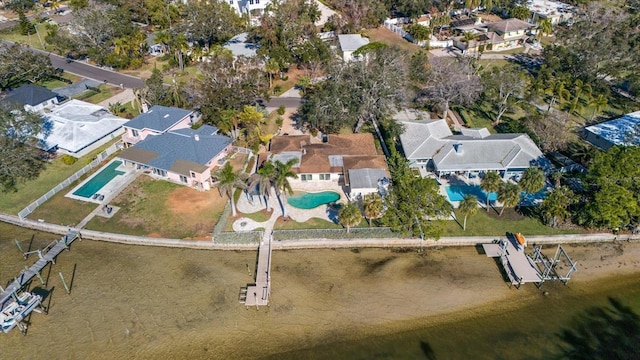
(309, 243)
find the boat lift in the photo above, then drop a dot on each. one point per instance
(548, 266)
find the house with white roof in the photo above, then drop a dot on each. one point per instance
(77, 128)
(31, 97)
(184, 156)
(555, 11)
(623, 131)
(158, 120)
(430, 144)
(349, 43)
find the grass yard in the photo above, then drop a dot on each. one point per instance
(489, 223)
(54, 173)
(159, 208)
(54, 83)
(190, 72)
(33, 40)
(388, 37)
(313, 223)
(74, 210)
(94, 97)
(475, 119)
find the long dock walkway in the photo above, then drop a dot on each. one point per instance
(258, 294)
(516, 264)
(28, 274)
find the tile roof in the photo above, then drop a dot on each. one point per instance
(158, 118)
(29, 95)
(178, 152)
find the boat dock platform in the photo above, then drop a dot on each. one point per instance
(46, 255)
(519, 268)
(257, 294)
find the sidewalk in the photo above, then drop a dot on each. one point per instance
(122, 97)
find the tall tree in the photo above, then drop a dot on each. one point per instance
(491, 183)
(283, 172)
(19, 154)
(508, 195)
(598, 103)
(263, 180)
(228, 181)
(19, 65)
(349, 215)
(468, 207)
(154, 88)
(373, 208)
(504, 88)
(532, 181)
(556, 205)
(451, 81)
(212, 22)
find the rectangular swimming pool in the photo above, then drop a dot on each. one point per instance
(457, 193)
(99, 181)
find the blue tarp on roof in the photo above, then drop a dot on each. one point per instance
(620, 131)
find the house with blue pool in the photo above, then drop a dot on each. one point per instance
(623, 131)
(430, 146)
(184, 156)
(350, 161)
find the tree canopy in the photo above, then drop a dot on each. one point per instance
(19, 65)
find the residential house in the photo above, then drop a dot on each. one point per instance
(155, 48)
(513, 31)
(555, 11)
(239, 46)
(77, 128)
(623, 131)
(158, 120)
(432, 146)
(484, 41)
(249, 7)
(31, 98)
(349, 43)
(181, 155)
(347, 160)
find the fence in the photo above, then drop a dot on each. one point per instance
(390, 24)
(42, 199)
(354, 233)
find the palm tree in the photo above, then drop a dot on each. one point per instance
(228, 181)
(349, 215)
(545, 27)
(281, 180)
(508, 195)
(468, 207)
(372, 207)
(579, 89)
(263, 179)
(556, 205)
(532, 181)
(490, 183)
(164, 38)
(272, 67)
(558, 93)
(598, 104)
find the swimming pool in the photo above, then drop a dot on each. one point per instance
(457, 193)
(99, 181)
(312, 200)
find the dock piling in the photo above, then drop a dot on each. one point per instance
(20, 248)
(64, 283)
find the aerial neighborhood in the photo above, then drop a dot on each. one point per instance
(306, 124)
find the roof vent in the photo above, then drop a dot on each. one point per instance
(166, 116)
(196, 137)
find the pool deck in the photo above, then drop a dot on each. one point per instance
(110, 189)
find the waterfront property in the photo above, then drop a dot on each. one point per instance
(350, 161)
(184, 156)
(430, 145)
(105, 183)
(97, 182)
(158, 120)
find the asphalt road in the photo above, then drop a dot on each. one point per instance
(288, 102)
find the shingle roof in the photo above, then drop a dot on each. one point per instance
(617, 131)
(509, 25)
(352, 42)
(463, 23)
(29, 95)
(364, 171)
(422, 139)
(158, 118)
(178, 152)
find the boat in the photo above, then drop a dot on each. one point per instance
(16, 311)
(521, 240)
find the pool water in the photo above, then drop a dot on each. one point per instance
(99, 181)
(457, 193)
(312, 200)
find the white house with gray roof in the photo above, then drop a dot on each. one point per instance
(431, 145)
(31, 97)
(158, 120)
(349, 43)
(184, 156)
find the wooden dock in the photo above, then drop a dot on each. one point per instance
(519, 268)
(257, 294)
(46, 256)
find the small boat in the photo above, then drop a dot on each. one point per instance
(521, 240)
(12, 314)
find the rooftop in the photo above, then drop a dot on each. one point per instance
(29, 95)
(509, 25)
(158, 118)
(620, 131)
(352, 42)
(239, 46)
(549, 7)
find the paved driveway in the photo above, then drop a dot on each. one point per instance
(77, 88)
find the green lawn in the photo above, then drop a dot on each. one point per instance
(30, 40)
(54, 83)
(475, 118)
(313, 223)
(490, 224)
(54, 173)
(73, 210)
(96, 97)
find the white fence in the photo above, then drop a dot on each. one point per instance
(31, 207)
(390, 24)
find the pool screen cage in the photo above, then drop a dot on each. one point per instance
(549, 267)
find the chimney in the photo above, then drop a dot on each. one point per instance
(196, 137)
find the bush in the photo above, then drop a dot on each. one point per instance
(281, 110)
(279, 121)
(68, 160)
(277, 89)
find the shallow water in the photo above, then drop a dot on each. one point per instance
(165, 303)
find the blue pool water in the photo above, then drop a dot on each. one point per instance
(457, 193)
(101, 179)
(312, 200)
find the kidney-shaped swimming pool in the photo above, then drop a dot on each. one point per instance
(312, 200)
